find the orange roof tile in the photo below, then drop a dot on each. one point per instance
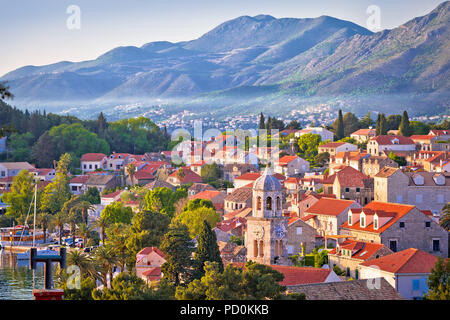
(329, 207)
(411, 260)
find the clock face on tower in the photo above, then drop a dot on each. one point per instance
(258, 232)
(279, 232)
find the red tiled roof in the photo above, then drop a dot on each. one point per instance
(189, 176)
(148, 250)
(113, 194)
(297, 275)
(364, 132)
(329, 207)
(350, 177)
(252, 176)
(411, 260)
(395, 210)
(208, 194)
(439, 132)
(79, 179)
(143, 175)
(7, 179)
(387, 140)
(41, 171)
(361, 250)
(93, 157)
(286, 159)
(421, 137)
(307, 217)
(332, 144)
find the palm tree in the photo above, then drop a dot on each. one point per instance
(59, 220)
(73, 219)
(84, 206)
(84, 232)
(82, 261)
(131, 171)
(102, 224)
(445, 220)
(117, 240)
(105, 258)
(44, 220)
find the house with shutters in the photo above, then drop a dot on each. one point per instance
(238, 199)
(333, 148)
(328, 214)
(93, 161)
(397, 226)
(12, 169)
(363, 135)
(148, 264)
(350, 184)
(407, 271)
(381, 145)
(425, 190)
(291, 165)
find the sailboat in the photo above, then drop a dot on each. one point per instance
(26, 255)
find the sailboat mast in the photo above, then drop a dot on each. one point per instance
(34, 219)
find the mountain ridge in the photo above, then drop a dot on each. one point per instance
(309, 57)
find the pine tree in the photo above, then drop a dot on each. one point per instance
(207, 250)
(404, 129)
(262, 122)
(101, 125)
(340, 126)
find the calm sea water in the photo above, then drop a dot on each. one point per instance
(17, 280)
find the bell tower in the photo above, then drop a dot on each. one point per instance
(266, 238)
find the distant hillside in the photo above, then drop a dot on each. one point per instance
(265, 57)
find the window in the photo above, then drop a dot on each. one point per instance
(84, 166)
(436, 245)
(290, 249)
(278, 203)
(347, 189)
(358, 189)
(419, 198)
(299, 230)
(415, 284)
(402, 224)
(440, 198)
(269, 203)
(399, 199)
(427, 224)
(258, 203)
(90, 166)
(350, 219)
(393, 245)
(362, 223)
(375, 223)
(3, 173)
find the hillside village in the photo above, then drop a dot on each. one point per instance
(327, 215)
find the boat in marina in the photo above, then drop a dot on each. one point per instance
(20, 240)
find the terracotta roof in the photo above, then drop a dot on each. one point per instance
(42, 171)
(159, 184)
(17, 165)
(297, 275)
(439, 132)
(7, 179)
(228, 225)
(93, 157)
(189, 176)
(253, 176)
(119, 156)
(143, 175)
(411, 260)
(350, 155)
(332, 144)
(152, 272)
(364, 132)
(286, 159)
(148, 250)
(361, 250)
(201, 187)
(242, 213)
(329, 207)
(79, 179)
(240, 195)
(113, 194)
(422, 137)
(350, 177)
(307, 217)
(386, 172)
(388, 140)
(210, 195)
(394, 210)
(347, 290)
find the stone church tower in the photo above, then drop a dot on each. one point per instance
(266, 238)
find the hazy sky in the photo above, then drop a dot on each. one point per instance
(35, 32)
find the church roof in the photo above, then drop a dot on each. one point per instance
(267, 182)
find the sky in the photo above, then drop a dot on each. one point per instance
(37, 32)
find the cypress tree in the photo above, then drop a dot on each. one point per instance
(340, 126)
(207, 250)
(404, 128)
(381, 125)
(262, 122)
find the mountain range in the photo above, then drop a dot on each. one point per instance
(261, 62)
